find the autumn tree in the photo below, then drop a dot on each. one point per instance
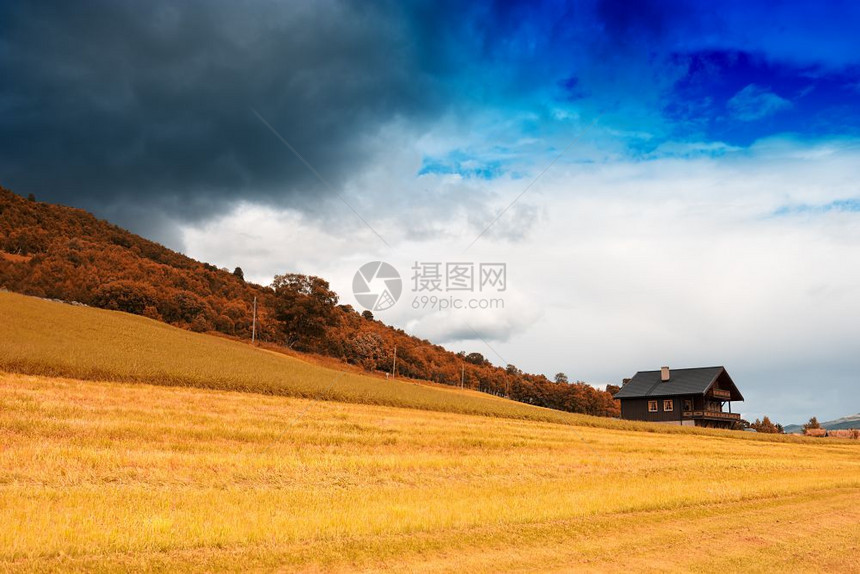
(766, 426)
(369, 350)
(128, 296)
(741, 424)
(68, 254)
(26, 240)
(476, 359)
(561, 378)
(812, 424)
(305, 307)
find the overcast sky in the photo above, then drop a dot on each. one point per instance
(667, 183)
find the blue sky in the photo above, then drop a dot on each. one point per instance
(668, 182)
(654, 72)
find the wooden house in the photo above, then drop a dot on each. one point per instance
(697, 397)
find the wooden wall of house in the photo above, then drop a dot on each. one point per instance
(637, 409)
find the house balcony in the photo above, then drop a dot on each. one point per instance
(713, 415)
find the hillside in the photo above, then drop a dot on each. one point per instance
(849, 422)
(65, 253)
(41, 337)
(132, 445)
(49, 338)
(68, 254)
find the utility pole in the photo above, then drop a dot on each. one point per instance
(463, 376)
(394, 364)
(254, 324)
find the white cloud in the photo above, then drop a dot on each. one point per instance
(754, 102)
(630, 265)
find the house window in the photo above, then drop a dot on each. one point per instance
(688, 405)
(668, 405)
(652, 406)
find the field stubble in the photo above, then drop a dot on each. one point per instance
(232, 462)
(119, 475)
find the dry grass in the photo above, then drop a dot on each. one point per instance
(119, 476)
(48, 338)
(113, 473)
(41, 337)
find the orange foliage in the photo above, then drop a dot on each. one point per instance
(64, 253)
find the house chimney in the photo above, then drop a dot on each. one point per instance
(664, 374)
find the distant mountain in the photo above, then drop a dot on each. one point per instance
(849, 422)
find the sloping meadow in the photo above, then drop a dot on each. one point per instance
(50, 338)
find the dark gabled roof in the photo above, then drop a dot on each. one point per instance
(681, 382)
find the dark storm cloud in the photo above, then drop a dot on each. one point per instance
(115, 105)
(142, 111)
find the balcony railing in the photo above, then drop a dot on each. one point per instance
(712, 415)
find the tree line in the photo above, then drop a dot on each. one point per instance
(65, 253)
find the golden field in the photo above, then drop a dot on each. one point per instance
(113, 473)
(127, 476)
(49, 338)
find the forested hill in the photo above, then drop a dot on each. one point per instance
(64, 253)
